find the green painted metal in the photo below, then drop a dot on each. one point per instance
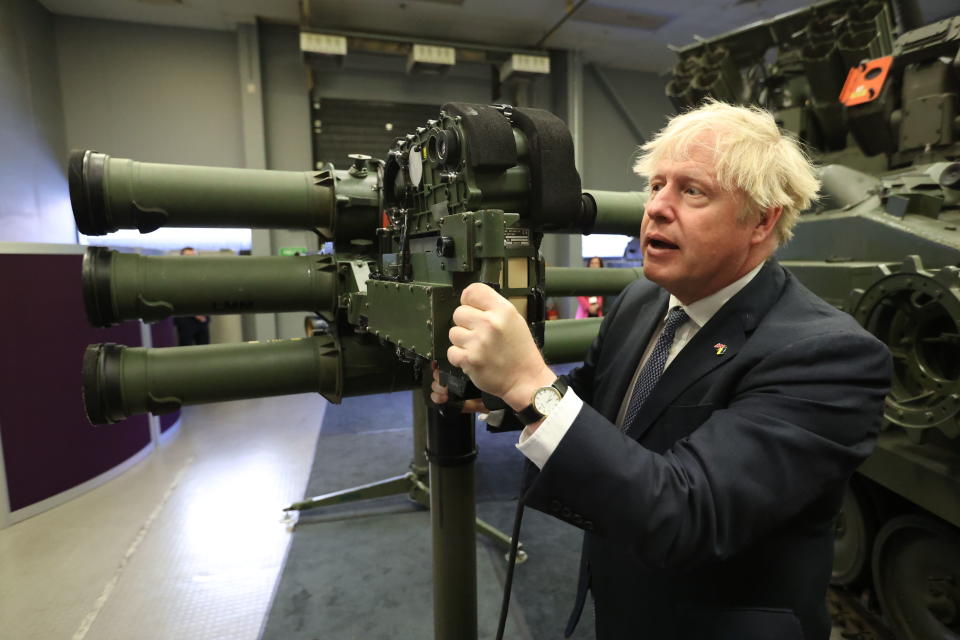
(192, 196)
(835, 282)
(904, 467)
(568, 340)
(119, 193)
(618, 212)
(580, 281)
(917, 314)
(379, 489)
(122, 381)
(126, 286)
(451, 451)
(418, 463)
(359, 204)
(412, 316)
(454, 553)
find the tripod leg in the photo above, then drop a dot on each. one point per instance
(379, 489)
(501, 539)
(412, 482)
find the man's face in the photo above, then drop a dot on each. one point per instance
(692, 240)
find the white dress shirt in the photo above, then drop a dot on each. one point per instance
(539, 445)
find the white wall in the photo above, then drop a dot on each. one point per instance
(609, 145)
(34, 201)
(155, 94)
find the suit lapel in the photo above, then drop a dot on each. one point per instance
(715, 344)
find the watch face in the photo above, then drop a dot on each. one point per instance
(546, 399)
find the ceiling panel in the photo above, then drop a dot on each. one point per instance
(632, 34)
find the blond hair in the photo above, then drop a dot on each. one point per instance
(750, 155)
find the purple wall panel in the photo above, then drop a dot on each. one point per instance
(48, 444)
(164, 334)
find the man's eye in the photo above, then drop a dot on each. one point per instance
(656, 187)
(694, 191)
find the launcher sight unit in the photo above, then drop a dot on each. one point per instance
(466, 199)
(878, 105)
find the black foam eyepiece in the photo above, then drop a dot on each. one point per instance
(555, 201)
(102, 383)
(85, 172)
(97, 298)
(492, 145)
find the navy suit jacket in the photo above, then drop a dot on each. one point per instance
(712, 518)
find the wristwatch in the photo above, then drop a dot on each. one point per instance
(545, 399)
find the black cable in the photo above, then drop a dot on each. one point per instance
(508, 583)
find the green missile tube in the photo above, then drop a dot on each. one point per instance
(120, 381)
(568, 340)
(108, 194)
(125, 286)
(616, 212)
(580, 281)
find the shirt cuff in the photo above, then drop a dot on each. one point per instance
(540, 445)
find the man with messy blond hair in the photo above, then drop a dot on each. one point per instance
(705, 443)
(751, 156)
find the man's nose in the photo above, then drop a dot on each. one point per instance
(661, 204)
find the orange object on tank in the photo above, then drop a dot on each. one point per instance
(865, 81)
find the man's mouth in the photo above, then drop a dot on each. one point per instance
(661, 244)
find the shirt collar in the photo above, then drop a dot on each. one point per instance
(703, 309)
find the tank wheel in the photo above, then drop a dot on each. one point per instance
(916, 573)
(916, 313)
(853, 537)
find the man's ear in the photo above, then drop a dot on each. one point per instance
(766, 224)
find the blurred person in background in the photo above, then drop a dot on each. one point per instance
(591, 306)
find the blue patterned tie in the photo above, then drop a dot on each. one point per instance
(653, 369)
